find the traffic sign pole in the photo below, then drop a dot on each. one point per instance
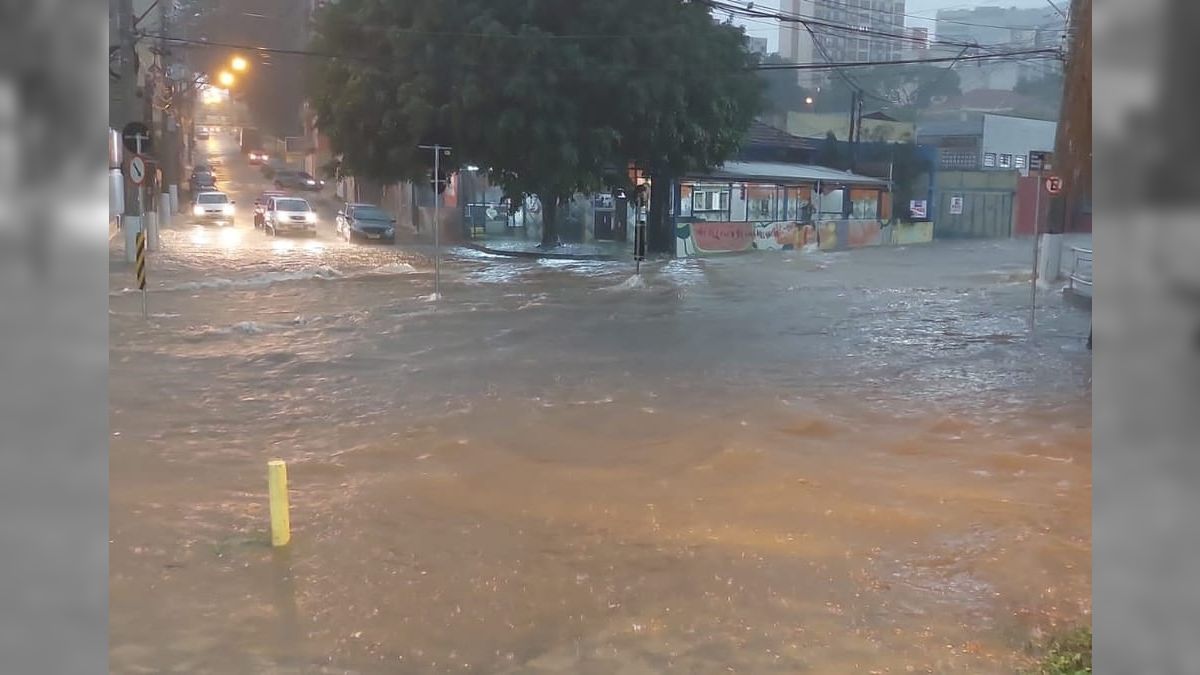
(136, 138)
(1037, 162)
(1037, 219)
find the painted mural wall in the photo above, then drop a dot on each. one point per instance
(714, 238)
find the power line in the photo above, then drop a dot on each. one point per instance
(849, 9)
(1029, 53)
(808, 24)
(809, 21)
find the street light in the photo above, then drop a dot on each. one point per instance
(239, 63)
(808, 100)
(225, 79)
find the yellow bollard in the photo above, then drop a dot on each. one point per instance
(281, 525)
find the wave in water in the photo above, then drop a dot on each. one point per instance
(633, 283)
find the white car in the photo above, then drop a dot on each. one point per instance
(212, 208)
(290, 215)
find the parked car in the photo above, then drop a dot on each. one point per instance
(260, 206)
(290, 179)
(213, 208)
(289, 215)
(202, 134)
(365, 222)
(271, 166)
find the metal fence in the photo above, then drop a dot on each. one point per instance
(1080, 279)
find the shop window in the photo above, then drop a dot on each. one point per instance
(685, 200)
(799, 204)
(711, 202)
(1006, 161)
(864, 204)
(831, 205)
(762, 203)
(738, 202)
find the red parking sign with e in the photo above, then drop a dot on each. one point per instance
(1054, 185)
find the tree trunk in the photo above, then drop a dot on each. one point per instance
(660, 231)
(549, 221)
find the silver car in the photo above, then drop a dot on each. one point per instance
(213, 208)
(290, 215)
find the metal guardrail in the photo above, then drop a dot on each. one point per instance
(1081, 269)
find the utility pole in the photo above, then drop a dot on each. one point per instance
(1073, 138)
(855, 133)
(129, 110)
(128, 71)
(170, 116)
(438, 150)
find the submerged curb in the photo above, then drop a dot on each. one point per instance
(540, 254)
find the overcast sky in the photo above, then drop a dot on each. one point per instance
(916, 9)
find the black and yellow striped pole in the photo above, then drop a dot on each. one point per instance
(140, 267)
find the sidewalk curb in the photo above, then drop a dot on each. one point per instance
(534, 255)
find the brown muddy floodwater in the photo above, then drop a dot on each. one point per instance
(786, 463)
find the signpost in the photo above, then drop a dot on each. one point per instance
(917, 209)
(137, 170)
(135, 136)
(140, 267)
(1039, 161)
(438, 187)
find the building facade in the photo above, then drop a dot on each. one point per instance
(843, 30)
(1003, 28)
(986, 142)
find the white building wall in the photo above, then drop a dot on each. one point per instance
(1015, 136)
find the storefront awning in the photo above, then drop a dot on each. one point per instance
(778, 172)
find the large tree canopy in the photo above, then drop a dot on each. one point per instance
(551, 97)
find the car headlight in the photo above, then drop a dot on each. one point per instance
(390, 231)
(228, 208)
(310, 217)
(197, 210)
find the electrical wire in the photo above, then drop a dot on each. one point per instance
(844, 4)
(1030, 53)
(782, 17)
(810, 22)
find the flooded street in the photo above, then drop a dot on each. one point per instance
(831, 463)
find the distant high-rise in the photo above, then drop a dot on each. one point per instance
(1006, 28)
(844, 31)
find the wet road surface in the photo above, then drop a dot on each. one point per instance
(826, 463)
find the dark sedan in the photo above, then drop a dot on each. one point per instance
(288, 179)
(202, 181)
(365, 222)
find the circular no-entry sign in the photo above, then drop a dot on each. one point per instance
(137, 169)
(1053, 185)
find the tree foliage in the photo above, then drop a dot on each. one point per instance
(552, 98)
(783, 92)
(901, 90)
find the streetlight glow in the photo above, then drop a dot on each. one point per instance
(808, 100)
(239, 63)
(225, 78)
